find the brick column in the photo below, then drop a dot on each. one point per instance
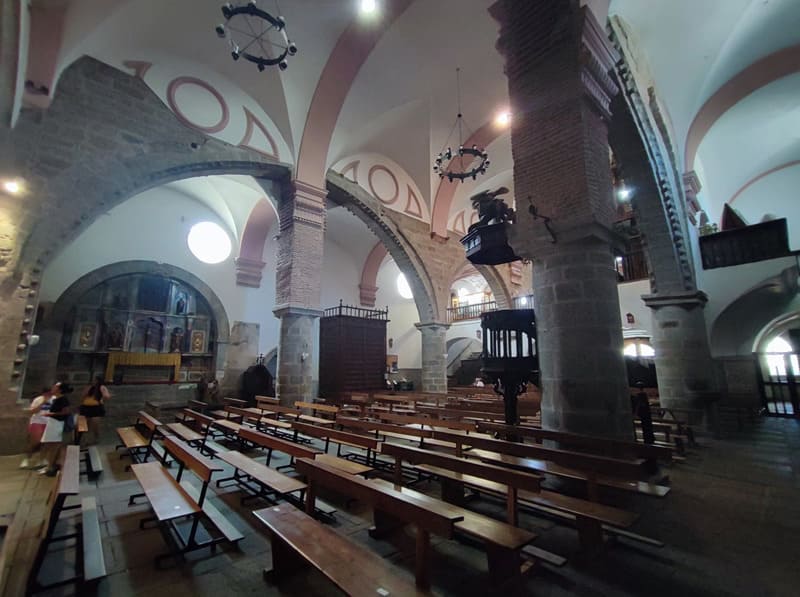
(434, 356)
(558, 62)
(297, 289)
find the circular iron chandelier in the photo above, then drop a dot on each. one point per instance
(452, 164)
(255, 35)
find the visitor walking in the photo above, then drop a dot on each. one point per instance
(94, 409)
(36, 426)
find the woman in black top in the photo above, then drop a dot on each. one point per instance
(93, 407)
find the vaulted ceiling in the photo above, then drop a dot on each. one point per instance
(725, 73)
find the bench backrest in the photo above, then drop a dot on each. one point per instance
(433, 516)
(191, 458)
(498, 474)
(597, 445)
(334, 434)
(458, 413)
(316, 407)
(378, 426)
(429, 421)
(198, 405)
(281, 410)
(394, 398)
(281, 445)
(199, 417)
(148, 420)
(267, 399)
(235, 402)
(615, 467)
(241, 412)
(69, 481)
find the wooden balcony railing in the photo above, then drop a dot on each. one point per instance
(768, 240)
(631, 266)
(465, 312)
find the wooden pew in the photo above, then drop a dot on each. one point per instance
(298, 539)
(514, 481)
(139, 447)
(340, 438)
(431, 422)
(597, 445)
(261, 419)
(326, 409)
(170, 500)
(206, 426)
(385, 429)
(457, 473)
(267, 400)
(270, 443)
(391, 509)
(91, 565)
(258, 479)
(235, 402)
(81, 427)
(182, 432)
(592, 470)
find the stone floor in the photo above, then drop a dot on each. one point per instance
(730, 524)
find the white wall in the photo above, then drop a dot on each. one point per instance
(630, 301)
(153, 226)
(341, 275)
(403, 315)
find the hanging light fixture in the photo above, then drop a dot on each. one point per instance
(465, 162)
(256, 36)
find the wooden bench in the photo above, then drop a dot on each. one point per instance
(270, 443)
(340, 438)
(391, 508)
(90, 565)
(206, 426)
(592, 470)
(137, 446)
(385, 429)
(182, 432)
(235, 402)
(258, 479)
(81, 428)
(267, 400)
(596, 445)
(298, 540)
(170, 501)
(315, 408)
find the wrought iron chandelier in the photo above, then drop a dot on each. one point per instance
(255, 35)
(465, 162)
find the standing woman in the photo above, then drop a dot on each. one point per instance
(93, 407)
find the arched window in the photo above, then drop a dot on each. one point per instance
(776, 361)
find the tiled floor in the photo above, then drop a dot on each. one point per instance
(731, 525)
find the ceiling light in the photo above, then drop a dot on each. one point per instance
(368, 6)
(503, 118)
(13, 187)
(624, 193)
(209, 242)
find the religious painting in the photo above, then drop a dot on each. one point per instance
(391, 363)
(176, 339)
(87, 336)
(116, 336)
(198, 343)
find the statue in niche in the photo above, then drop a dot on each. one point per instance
(116, 337)
(180, 304)
(490, 208)
(176, 340)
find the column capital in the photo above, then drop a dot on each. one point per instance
(283, 310)
(248, 272)
(687, 300)
(431, 325)
(303, 204)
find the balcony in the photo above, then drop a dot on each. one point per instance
(631, 266)
(759, 242)
(474, 311)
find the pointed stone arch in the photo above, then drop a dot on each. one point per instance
(365, 207)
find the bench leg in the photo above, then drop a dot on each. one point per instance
(385, 523)
(590, 533)
(504, 566)
(285, 561)
(453, 492)
(422, 565)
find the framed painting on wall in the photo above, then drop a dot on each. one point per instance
(87, 336)
(198, 343)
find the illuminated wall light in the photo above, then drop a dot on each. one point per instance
(13, 187)
(368, 6)
(503, 118)
(624, 194)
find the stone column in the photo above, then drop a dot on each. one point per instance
(18, 295)
(241, 353)
(296, 365)
(685, 369)
(434, 356)
(558, 62)
(686, 372)
(297, 289)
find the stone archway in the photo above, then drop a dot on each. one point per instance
(44, 356)
(361, 204)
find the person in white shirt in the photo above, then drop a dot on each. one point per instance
(36, 426)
